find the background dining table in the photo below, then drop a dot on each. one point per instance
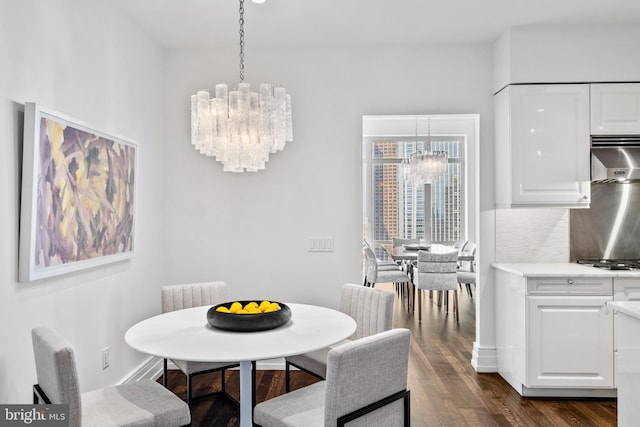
(410, 253)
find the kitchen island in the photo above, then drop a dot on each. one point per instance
(554, 331)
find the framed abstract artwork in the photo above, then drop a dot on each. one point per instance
(78, 196)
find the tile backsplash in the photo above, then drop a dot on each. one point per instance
(532, 235)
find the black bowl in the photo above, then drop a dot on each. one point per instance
(248, 322)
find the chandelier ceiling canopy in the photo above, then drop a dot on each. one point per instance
(240, 127)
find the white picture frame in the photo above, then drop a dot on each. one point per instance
(78, 196)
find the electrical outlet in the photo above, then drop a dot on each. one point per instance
(105, 358)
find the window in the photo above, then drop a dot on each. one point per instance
(395, 208)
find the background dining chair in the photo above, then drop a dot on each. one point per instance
(178, 297)
(374, 273)
(383, 264)
(372, 310)
(466, 267)
(460, 244)
(437, 272)
(366, 379)
(403, 288)
(140, 403)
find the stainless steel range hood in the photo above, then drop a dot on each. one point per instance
(610, 228)
(615, 158)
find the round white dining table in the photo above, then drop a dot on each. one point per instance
(186, 335)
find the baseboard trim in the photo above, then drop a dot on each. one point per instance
(152, 368)
(484, 360)
(570, 392)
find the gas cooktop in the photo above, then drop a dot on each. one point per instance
(612, 264)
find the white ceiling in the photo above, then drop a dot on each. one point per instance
(199, 23)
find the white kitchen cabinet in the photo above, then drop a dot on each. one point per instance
(554, 335)
(615, 108)
(542, 146)
(570, 342)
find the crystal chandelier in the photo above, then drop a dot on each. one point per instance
(425, 167)
(240, 127)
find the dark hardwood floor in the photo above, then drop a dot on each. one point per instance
(445, 390)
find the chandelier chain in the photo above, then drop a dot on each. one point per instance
(241, 40)
(241, 127)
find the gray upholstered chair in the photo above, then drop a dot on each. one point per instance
(376, 274)
(460, 244)
(372, 310)
(403, 288)
(366, 385)
(437, 272)
(178, 297)
(382, 263)
(141, 403)
(466, 267)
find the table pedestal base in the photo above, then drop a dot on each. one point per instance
(246, 389)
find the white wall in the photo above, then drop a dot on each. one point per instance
(83, 59)
(251, 230)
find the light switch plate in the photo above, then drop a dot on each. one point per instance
(320, 244)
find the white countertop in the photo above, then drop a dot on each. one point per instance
(630, 308)
(561, 269)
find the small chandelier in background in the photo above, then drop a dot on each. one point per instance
(425, 167)
(240, 127)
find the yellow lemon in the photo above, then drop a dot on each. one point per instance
(274, 306)
(251, 304)
(264, 305)
(235, 307)
(222, 309)
(243, 311)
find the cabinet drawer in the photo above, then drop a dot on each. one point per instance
(626, 289)
(570, 286)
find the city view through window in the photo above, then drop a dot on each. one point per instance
(397, 207)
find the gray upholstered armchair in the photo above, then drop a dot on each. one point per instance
(366, 385)
(141, 403)
(372, 310)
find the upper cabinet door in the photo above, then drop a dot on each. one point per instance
(542, 146)
(615, 108)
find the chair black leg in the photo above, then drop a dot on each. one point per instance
(164, 374)
(287, 377)
(407, 410)
(189, 390)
